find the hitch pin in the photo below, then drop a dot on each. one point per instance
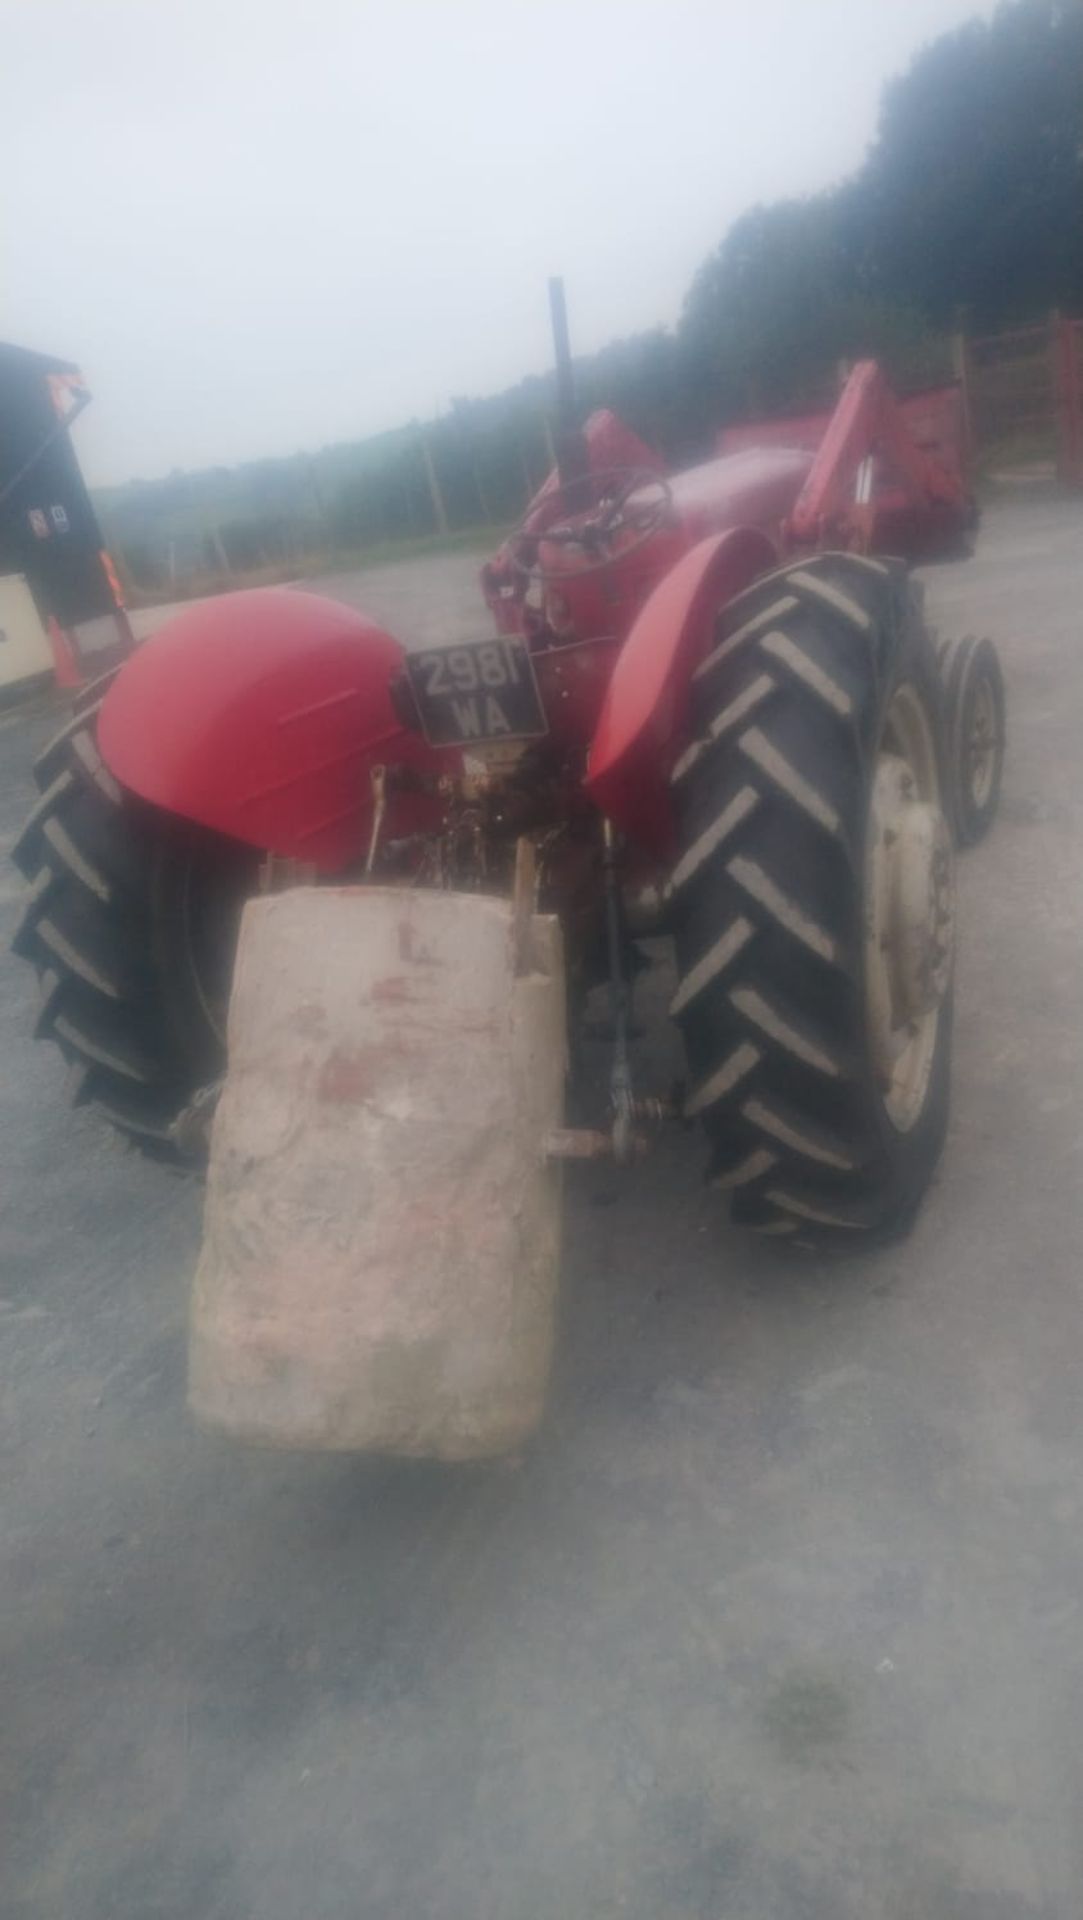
(590, 1143)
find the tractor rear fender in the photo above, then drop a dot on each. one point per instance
(261, 715)
(641, 726)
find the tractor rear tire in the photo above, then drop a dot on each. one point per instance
(130, 925)
(813, 903)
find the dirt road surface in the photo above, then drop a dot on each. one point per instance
(780, 1619)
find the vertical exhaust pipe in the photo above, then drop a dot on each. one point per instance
(569, 443)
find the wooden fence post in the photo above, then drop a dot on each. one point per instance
(434, 488)
(960, 364)
(1065, 345)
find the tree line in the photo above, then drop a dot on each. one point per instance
(968, 210)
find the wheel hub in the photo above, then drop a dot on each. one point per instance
(910, 929)
(980, 752)
(922, 896)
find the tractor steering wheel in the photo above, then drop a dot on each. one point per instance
(613, 508)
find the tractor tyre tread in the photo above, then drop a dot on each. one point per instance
(767, 901)
(86, 928)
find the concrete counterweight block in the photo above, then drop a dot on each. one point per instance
(382, 1231)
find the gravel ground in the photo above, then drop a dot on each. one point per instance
(780, 1618)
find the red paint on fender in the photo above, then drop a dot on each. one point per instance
(639, 732)
(260, 714)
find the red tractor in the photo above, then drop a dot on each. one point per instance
(707, 712)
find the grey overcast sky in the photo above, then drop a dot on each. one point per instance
(263, 227)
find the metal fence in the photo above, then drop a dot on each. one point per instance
(1022, 392)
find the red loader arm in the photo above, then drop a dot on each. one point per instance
(840, 504)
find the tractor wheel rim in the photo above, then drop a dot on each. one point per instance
(982, 744)
(910, 919)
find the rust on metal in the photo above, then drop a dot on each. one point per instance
(589, 1143)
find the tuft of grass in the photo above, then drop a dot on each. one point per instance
(807, 1713)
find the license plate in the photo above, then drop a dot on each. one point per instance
(478, 692)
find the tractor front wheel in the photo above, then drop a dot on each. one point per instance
(131, 924)
(813, 902)
(974, 698)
